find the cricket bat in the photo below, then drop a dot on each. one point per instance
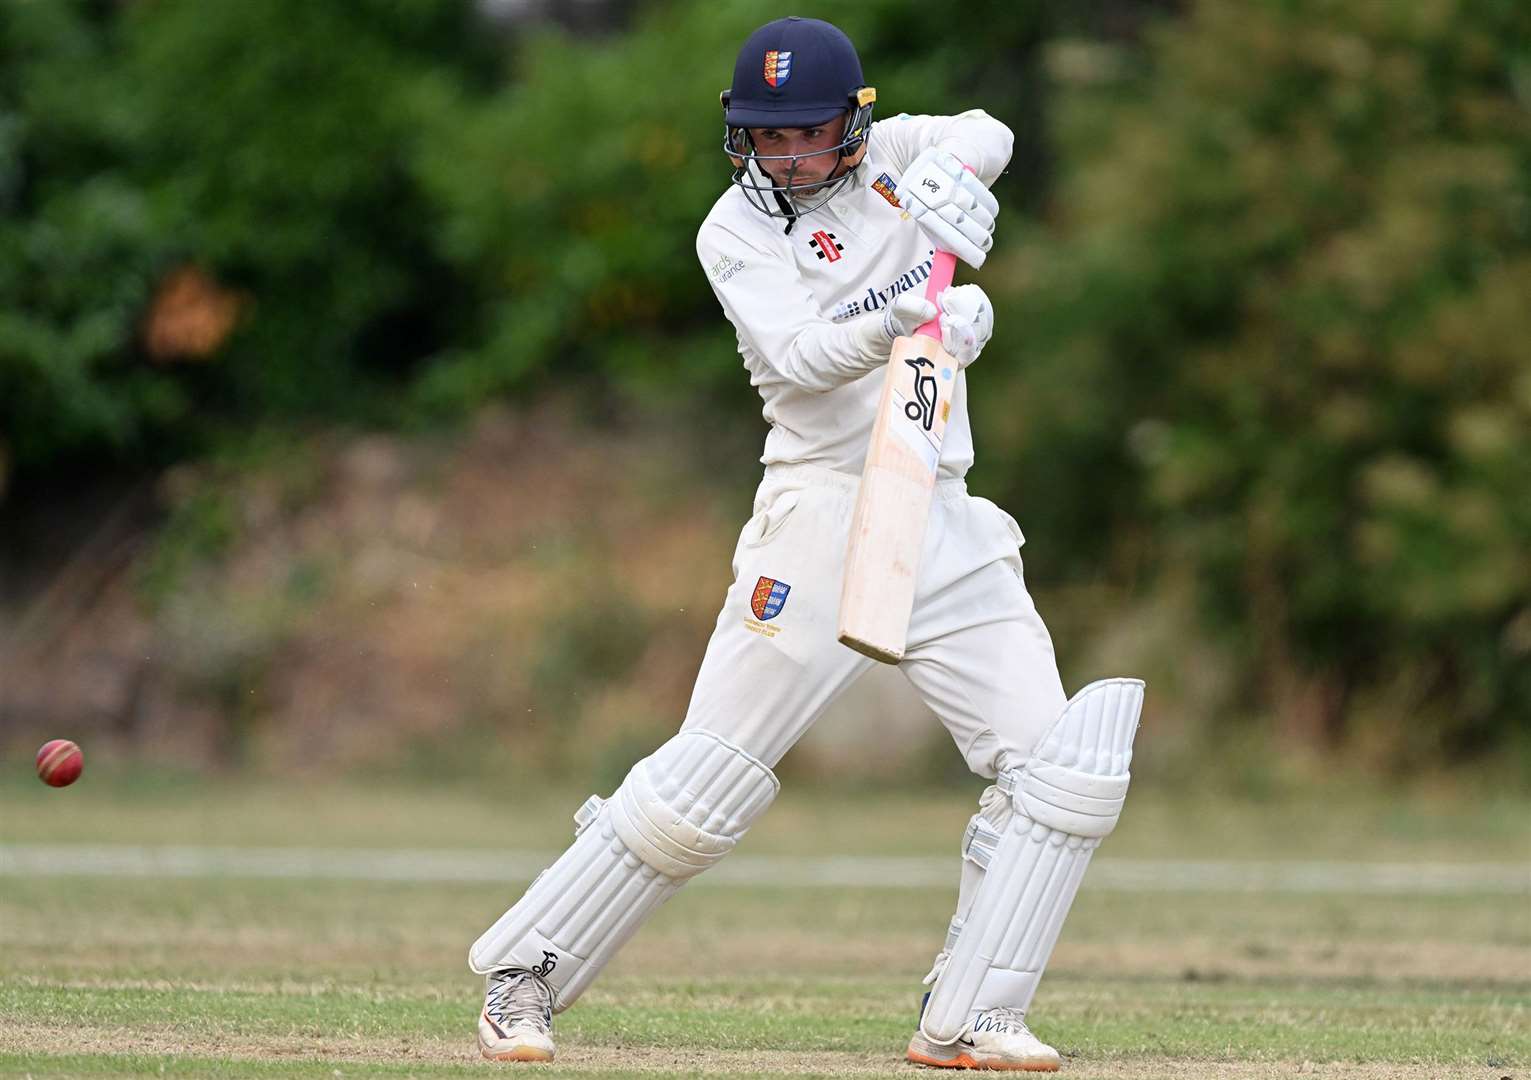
(882, 561)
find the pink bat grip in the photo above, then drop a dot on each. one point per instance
(941, 269)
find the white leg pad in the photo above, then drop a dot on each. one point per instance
(1067, 797)
(680, 810)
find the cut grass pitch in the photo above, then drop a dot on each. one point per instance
(252, 977)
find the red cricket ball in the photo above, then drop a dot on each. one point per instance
(59, 763)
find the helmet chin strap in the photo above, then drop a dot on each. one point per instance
(788, 211)
(784, 197)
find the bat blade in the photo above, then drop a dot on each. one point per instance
(893, 505)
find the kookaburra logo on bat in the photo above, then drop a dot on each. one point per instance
(549, 962)
(922, 410)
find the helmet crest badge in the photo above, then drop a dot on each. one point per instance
(778, 67)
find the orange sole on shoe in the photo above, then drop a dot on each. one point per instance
(962, 1061)
(520, 1053)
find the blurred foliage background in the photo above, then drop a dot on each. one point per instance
(308, 311)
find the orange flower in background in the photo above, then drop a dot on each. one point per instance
(190, 317)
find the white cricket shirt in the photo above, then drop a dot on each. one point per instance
(792, 296)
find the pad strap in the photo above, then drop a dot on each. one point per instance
(1071, 800)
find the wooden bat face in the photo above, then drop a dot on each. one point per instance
(888, 529)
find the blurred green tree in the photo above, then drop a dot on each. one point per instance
(260, 150)
(79, 246)
(1282, 329)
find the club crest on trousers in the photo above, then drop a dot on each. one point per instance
(769, 598)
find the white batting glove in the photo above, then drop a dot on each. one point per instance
(950, 205)
(907, 312)
(967, 322)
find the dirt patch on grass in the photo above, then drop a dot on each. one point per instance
(1154, 1069)
(663, 1061)
(218, 1043)
(658, 1061)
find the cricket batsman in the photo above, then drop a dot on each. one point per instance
(819, 252)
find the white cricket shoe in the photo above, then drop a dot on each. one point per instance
(993, 1039)
(517, 1021)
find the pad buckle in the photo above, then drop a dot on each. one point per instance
(1007, 782)
(980, 841)
(587, 813)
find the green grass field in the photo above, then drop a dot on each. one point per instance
(322, 975)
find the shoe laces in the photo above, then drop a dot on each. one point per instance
(1003, 1020)
(519, 997)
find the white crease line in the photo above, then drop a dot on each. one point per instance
(839, 871)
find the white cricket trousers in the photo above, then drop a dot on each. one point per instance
(978, 652)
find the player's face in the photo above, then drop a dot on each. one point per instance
(803, 156)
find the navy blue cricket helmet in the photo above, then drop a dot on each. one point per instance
(795, 73)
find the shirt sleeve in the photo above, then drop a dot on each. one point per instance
(978, 140)
(777, 317)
